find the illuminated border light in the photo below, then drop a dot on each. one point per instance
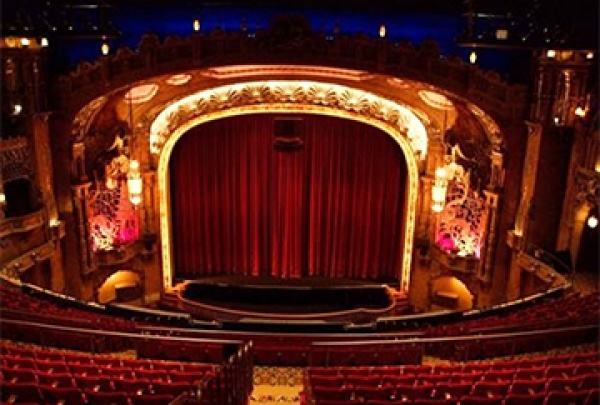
(436, 100)
(592, 221)
(178, 80)
(142, 93)
(473, 57)
(382, 31)
(104, 48)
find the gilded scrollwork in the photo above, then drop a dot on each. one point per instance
(289, 92)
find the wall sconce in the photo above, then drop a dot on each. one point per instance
(473, 57)
(580, 112)
(592, 221)
(134, 183)
(2, 199)
(382, 31)
(438, 191)
(105, 48)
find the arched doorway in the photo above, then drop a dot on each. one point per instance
(448, 292)
(121, 286)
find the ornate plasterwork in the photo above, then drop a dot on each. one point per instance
(179, 120)
(15, 159)
(294, 92)
(491, 128)
(84, 117)
(229, 72)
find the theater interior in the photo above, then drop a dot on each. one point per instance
(316, 203)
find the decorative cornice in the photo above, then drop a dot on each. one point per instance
(26, 223)
(289, 92)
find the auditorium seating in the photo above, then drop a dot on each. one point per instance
(39, 375)
(564, 379)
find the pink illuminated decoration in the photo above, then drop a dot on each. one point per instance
(141, 94)
(113, 221)
(462, 221)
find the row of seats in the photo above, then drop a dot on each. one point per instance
(134, 392)
(33, 374)
(587, 397)
(19, 305)
(538, 380)
(571, 309)
(42, 359)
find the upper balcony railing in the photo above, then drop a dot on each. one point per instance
(424, 63)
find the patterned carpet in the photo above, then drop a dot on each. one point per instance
(277, 385)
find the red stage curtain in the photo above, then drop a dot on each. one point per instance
(332, 208)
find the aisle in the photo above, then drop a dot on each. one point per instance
(277, 385)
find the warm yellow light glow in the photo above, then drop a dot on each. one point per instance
(592, 221)
(53, 223)
(17, 108)
(436, 100)
(142, 93)
(44, 42)
(589, 55)
(551, 53)
(473, 57)
(196, 25)
(502, 34)
(556, 120)
(580, 112)
(178, 80)
(2, 198)
(134, 183)
(104, 48)
(25, 42)
(382, 31)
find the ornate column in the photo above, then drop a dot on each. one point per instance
(81, 193)
(45, 180)
(516, 237)
(487, 261)
(587, 189)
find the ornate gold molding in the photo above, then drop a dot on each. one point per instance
(304, 93)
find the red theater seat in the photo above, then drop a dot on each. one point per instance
(106, 398)
(150, 399)
(524, 399)
(565, 398)
(62, 395)
(55, 379)
(20, 392)
(476, 400)
(133, 386)
(527, 387)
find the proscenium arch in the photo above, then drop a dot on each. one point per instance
(410, 202)
(393, 118)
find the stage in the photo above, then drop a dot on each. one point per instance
(242, 298)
